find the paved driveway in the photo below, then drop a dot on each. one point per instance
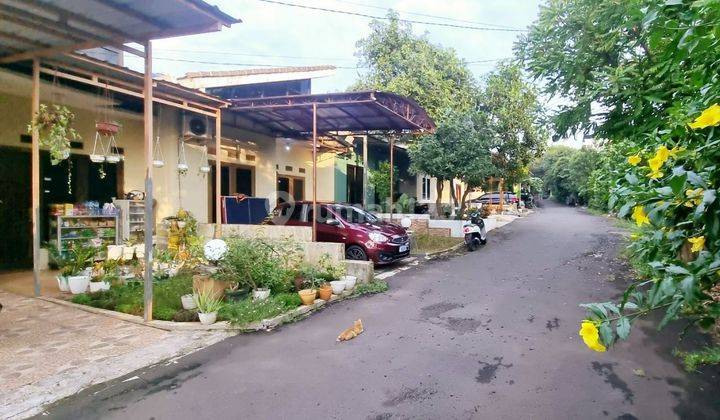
(491, 334)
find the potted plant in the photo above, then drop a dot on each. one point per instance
(53, 125)
(80, 259)
(350, 282)
(337, 286)
(188, 301)
(207, 305)
(311, 279)
(206, 278)
(59, 261)
(260, 293)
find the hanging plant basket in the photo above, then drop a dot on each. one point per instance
(107, 128)
(53, 125)
(204, 167)
(158, 158)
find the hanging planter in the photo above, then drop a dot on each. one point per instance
(182, 165)
(113, 153)
(204, 167)
(158, 158)
(53, 125)
(97, 155)
(107, 128)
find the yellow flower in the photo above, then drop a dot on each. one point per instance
(589, 333)
(695, 197)
(710, 117)
(674, 151)
(655, 164)
(639, 216)
(698, 243)
(662, 153)
(634, 160)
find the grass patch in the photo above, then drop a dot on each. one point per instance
(693, 360)
(246, 311)
(425, 243)
(375, 286)
(128, 298)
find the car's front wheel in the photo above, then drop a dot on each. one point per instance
(356, 252)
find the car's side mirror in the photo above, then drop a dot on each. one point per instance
(332, 222)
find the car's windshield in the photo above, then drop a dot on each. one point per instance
(354, 214)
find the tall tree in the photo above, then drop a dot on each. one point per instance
(510, 111)
(407, 64)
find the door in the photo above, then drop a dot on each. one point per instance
(354, 184)
(15, 203)
(224, 186)
(290, 187)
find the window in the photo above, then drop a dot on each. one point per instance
(324, 214)
(425, 195)
(354, 215)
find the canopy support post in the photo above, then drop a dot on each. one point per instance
(218, 175)
(35, 163)
(392, 174)
(149, 214)
(314, 155)
(365, 171)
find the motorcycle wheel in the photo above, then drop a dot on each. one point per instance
(471, 242)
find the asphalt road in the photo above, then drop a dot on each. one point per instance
(492, 334)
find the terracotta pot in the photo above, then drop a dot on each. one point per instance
(325, 292)
(307, 296)
(204, 282)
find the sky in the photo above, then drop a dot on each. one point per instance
(280, 35)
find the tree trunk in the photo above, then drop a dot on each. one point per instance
(438, 200)
(453, 198)
(463, 205)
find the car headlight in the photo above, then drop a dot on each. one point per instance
(377, 237)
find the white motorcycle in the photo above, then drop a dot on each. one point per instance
(475, 233)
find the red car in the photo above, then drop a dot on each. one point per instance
(365, 236)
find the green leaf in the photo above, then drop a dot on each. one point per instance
(676, 269)
(671, 313)
(625, 209)
(665, 191)
(623, 328)
(631, 178)
(687, 285)
(677, 182)
(606, 333)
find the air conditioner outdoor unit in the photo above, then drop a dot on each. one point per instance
(196, 128)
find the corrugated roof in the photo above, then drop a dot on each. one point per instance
(291, 116)
(31, 28)
(256, 71)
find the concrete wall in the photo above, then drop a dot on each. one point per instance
(299, 233)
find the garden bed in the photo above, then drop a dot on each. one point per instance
(243, 314)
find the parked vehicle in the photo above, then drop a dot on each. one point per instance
(365, 236)
(475, 233)
(494, 198)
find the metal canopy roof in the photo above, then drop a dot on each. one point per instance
(291, 116)
(111, 75)
(34, 28)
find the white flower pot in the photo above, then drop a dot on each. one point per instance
(78, 284)
(113, 158)
(204, 169)
(114, 252)
(105, 285)
(158, 163)
(349, 282)
(128, 252)
(207, 319)
(261, 294)
(188, 302)
(62, 283)
(337, 286)
(97, 158)
(96, 286)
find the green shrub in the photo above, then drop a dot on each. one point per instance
(260, 262)
(375, 286)
(246, 311)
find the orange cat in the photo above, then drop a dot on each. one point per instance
(351, 332)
